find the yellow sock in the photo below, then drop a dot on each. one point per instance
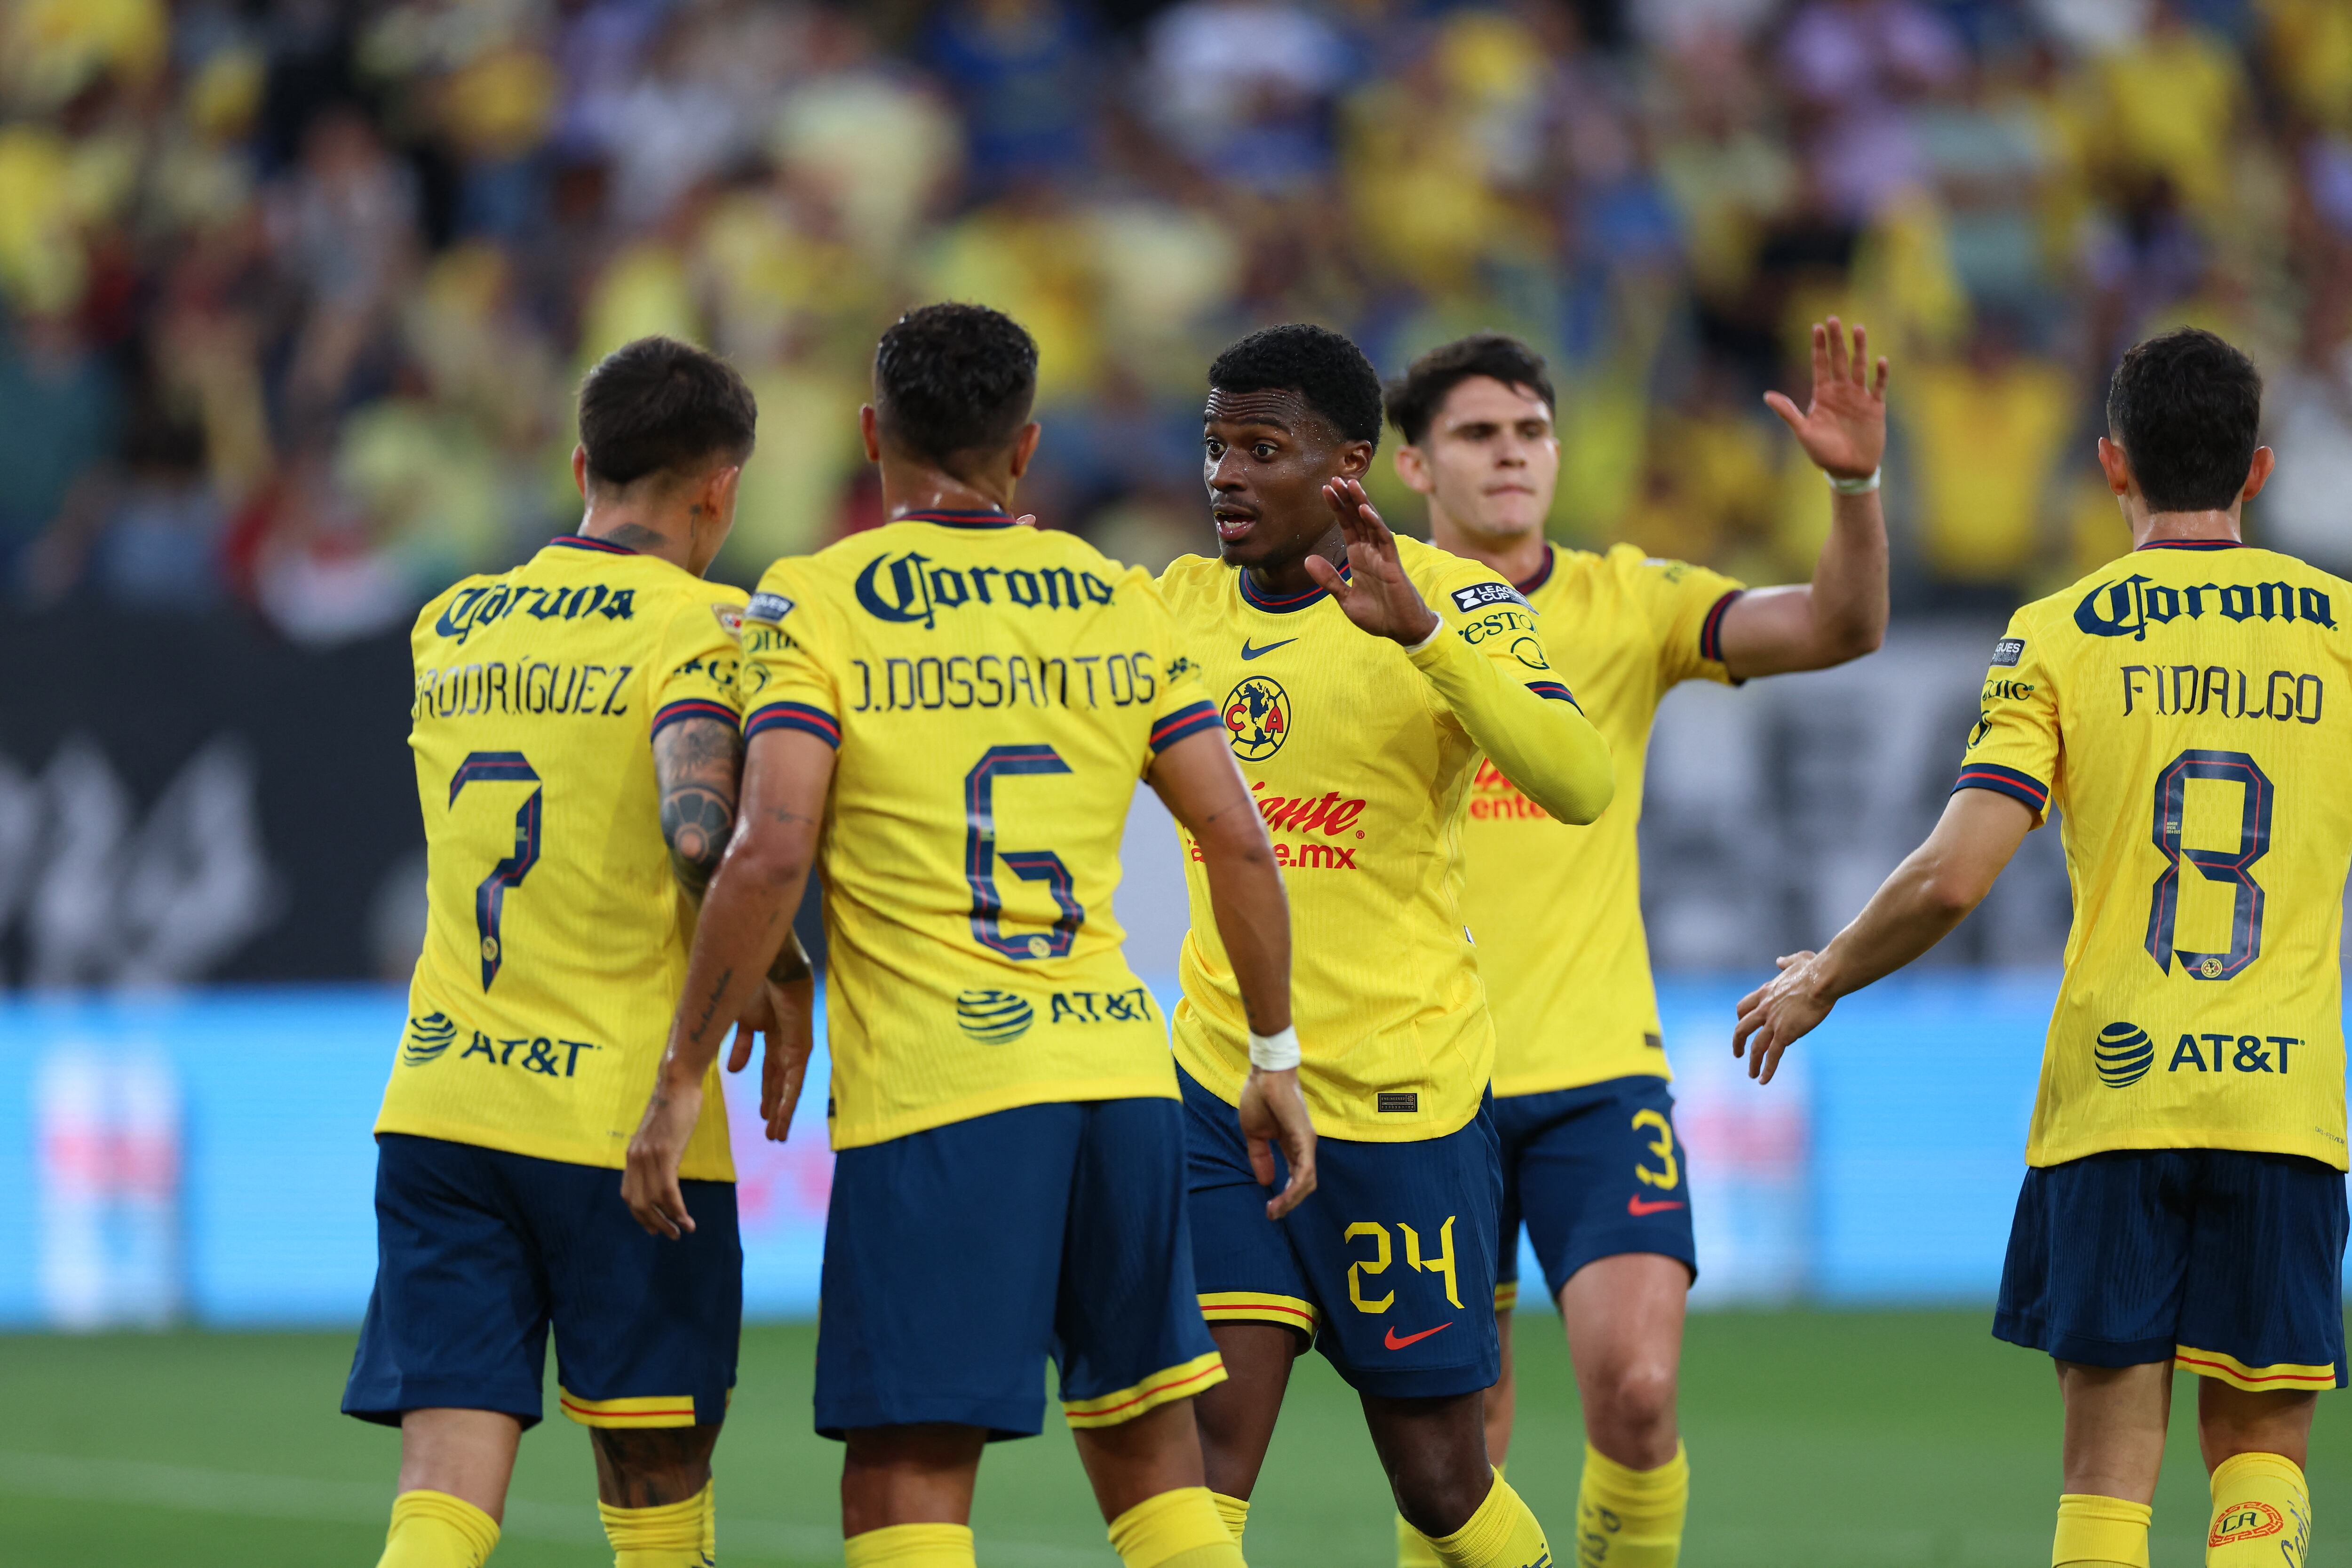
(1413, 1549)
(1234, 1511)
(434, 1529)
(670, 1536)
(1178, 1529)
(910, 1546)
(1501, 1535)
(1628, 1518)
(2100, 1533)
(2261, 1513)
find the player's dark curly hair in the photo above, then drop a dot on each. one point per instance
(2187, 408)
(1415, 397)
(658, 404)
(1320, 365)
(951, 379)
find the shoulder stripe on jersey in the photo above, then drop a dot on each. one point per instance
(2019, 786)
(2193, 544)
(1184, 721)
(799, 716)
(959, 519)
(693, 708)
(1556, 691)
(1281, 604)
(1710, 631)
(1543, 574)
(582, 542)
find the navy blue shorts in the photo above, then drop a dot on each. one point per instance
(1594, 1172)
(479, 1251)
(1389, 1265)
(957, 1260)
(2229, 1262)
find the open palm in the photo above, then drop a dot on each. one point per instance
(1844, 430)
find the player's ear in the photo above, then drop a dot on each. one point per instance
(579, 471)
(870, 427)
(2115, 467)
(1355, 459)
(1412, 467)
(2258, 473)
(1024, 447)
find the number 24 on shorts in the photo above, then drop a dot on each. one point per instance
(1440, 1264)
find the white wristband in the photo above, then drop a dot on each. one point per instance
(1275, 1053)
(1861, 487)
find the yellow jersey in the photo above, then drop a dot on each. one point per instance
(556, 940)
(2173, 707)
(995, 693)
(1557, 910)
(1360, 754)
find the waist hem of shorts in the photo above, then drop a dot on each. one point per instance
(551, 1150)
(1227, 1084)
(2040, 1154)
(1523, 1085)
(1051, 1092)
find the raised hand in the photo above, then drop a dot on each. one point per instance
(1844, 430)
(1376, 595)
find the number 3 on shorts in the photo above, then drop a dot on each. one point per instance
(1662, 1146)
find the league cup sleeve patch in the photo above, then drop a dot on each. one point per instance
(731, 619)
(2007, 652)
(768, 608)
(1479, 595)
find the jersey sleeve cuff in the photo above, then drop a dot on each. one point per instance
(1187, 720)
(804, 716)
(694, 707)
(2019, 786)
(1710, 630)
(1556, 691)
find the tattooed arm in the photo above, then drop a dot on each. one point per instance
(697, 767)
(746, 929)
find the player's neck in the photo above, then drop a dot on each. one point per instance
(635, 530)
(1289, 579)
(1518, 558)
(2166, 527)
(910, 488)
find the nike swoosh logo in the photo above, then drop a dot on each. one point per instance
(1248, 652)
(1638, 1206)
(1396, 1343)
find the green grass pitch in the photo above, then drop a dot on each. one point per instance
(1874, 1440)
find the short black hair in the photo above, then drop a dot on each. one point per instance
(1322, 366)
(1415, 397)
(660, 405)
(2187, 408)
(953, 378)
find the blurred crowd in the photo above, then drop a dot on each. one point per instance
(293, 293)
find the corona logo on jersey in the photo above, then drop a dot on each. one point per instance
(1257, 717)
(2124, 1054)
(906, 589)
(2129, 607)
(993, 1017)
(2245, 1522)
(1494, 798)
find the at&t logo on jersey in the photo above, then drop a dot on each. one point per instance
(1257, 717)
(2122, 1055)
(993, 1017)
(2129, 608)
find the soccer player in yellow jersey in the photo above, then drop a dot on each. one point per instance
(957, 709)
(2184, 1194)
(1358, 678)
(1590, 1163)
(574, 733)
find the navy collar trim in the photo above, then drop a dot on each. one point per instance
(2193, 544)
(1552, 560)
(582, 542)
(1279, 605)
(958, 519)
